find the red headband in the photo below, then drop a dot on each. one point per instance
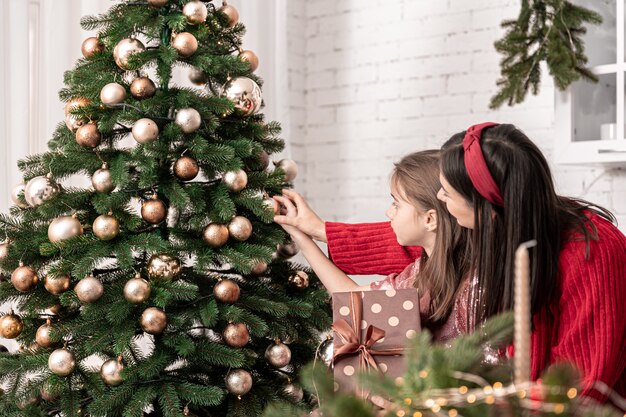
(477, 167)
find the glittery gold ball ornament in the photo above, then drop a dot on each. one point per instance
(235, 180)
(89, 289)
(40, 189)
(88, 135)
(157, 3)
(259, 268)
(238, 382)
(197, 76)
(61, 362)
(102, 180)
(145, 130)
(289, 167)
(24, 278)
(245, 94)
(11, 326)
(188, 119)
(153, 320)
(47, 335)
(4, 251)
(18, 191)
(186, 168)
(240, 228)
(287, 250)
(142, 87)
(153, 211)
(63, 228)
(236, 335)
(195, 12)
(125, 49)
(272, 205)
(106, 227)
(251, 58)
(185, 44)
(227, 291)
(278, 354)
(294, 391)
(299, 280)
(91, 46)
(231, 13)
(112, 93)
(111, 372)
(137, 290)
(56, 284)
(215, 235)
(75, 104)
(163, 267)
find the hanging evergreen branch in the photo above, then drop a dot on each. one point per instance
(546, 30)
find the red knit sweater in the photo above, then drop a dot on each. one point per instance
(586, 323)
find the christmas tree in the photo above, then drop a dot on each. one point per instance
(165, 289)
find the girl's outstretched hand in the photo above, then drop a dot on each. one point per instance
(302, 217)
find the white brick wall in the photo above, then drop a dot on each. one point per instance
(374, 80)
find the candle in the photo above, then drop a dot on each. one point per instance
(522, 313)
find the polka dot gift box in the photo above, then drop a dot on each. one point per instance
(371, 332)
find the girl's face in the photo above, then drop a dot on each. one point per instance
(412, 227)
(457, 205)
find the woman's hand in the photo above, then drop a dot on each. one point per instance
(289, 211)
(302, 216)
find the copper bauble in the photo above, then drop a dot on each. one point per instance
(17, 196)
(142, 87)
(325, 352)
(278, 354)
(61, 362)
(89, 289)
(145, 130)
(299, 280)
(24, 278)
(102, 180)
(112, 93)
(73, 122)
(91, 46)
(75, 104)
(157, 3)
(259, 268)
(185, 44)
(287, 250)
(188, 119)
(258, 162)
(227, 291)
(163, 267)
(111, 372)
(238, 381)
(154, 210)
(57, 284)
(240, 228)
(153, 320)
(231, 13)
(235, 180)
(88, 135)
(294, 391)
(63, 228)
(236, 335)
(4, 251)
(137, 290)
(125, 49)
(40, 189)
(215, 235)
(195, 12)
(106, 227)
(245, 94)
(11, 326)
(186, 168)
(197, 76)
(251, 58)
(289, 167)
(272, 205)
(47, 335)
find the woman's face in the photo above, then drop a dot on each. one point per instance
(456, 204)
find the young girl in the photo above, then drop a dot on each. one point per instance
(417, 218)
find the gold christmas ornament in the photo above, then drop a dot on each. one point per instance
(88, 135)
(289, 167)
(125, 49)
(325, 351)
(278, 354)
(112, 93)
(157, 3)
(294, 391)
(11, 326)
(153, 320)
(287, 250)
(15, 195)
(142, 87)
(185, 44)
(231, 13)
(251, 58)
(272, 205)
(235, 180)
(236, 335)
(106, 227)
(186, 168)
(259, 268)
(154, 210)
(61, 362)
(215, 235)
(299, 280)
(91, 46)
(75, 104)
(188, 119)
(245, 94)
(89, 289)
(47, 335)
(195, 12)
(111, 372)
(40, 189)
(227, 291)
(137, 290)
(63, 228)
(163, 267)
(53, 309)
(102, 180)
(56, 285)
(74, 122)
(24, 278)
(240, 228)
(4, 251)
(145, 130)
(258, 162)
(198, 76)
(238, 382)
